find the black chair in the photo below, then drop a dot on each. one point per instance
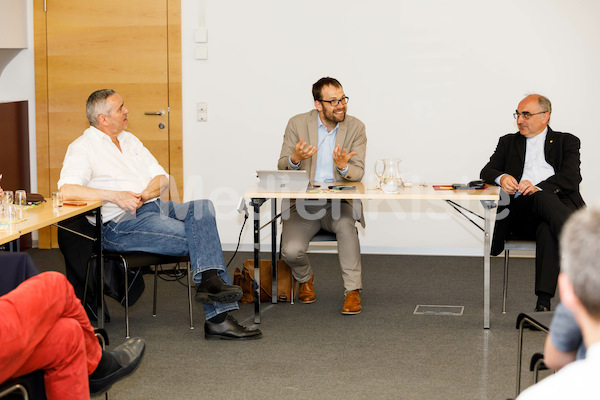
(137, 260)
(536, 365)
(30, 386)
(537, 321)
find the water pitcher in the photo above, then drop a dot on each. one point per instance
(388, 174)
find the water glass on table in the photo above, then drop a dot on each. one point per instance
(20, 198)
(57, 200)
(10, 213)
(7, 197)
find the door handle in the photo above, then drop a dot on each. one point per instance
(159, 112)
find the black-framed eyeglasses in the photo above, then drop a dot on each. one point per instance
(334, 103)
(526, 114)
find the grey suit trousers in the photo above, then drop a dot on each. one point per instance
(301, 224)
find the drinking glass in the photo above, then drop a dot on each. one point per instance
(57, 200)
(7, 197)
(20, 198)
(10, 213)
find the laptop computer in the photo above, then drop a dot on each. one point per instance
(282, 181)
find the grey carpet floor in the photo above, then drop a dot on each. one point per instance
(312, 351)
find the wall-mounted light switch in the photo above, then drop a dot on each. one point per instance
(201, 52)
(201, 35)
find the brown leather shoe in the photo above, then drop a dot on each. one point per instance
(352, 303)
(306, 291)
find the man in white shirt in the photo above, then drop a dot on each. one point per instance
(579, 287)
(111, 164)
(331, 147)
(538, 170)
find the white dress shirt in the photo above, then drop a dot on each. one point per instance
(324, 170)
(325, 146)
(577, 380)
(93, 160)
(536, 167)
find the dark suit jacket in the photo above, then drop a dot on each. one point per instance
(562, 153)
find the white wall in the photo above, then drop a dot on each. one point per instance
(434, 81)
(17, 84)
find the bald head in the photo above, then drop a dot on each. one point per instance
(533, 115)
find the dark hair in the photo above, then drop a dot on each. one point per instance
(96, 105)
(318, 86)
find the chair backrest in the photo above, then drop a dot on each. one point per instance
(16, 267)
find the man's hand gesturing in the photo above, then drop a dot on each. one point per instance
(302, 151)
(341, 158)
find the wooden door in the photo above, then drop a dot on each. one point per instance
(131, 46)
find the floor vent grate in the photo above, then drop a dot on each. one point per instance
(438, 310)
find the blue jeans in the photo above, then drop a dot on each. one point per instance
(176, 229)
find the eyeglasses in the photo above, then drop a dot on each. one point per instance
(334, 103)
(526, 114)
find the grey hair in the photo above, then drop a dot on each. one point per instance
(97, 104)
(544, 102)
(580, 248)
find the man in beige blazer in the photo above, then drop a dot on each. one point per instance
(331, 147)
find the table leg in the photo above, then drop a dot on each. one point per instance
(256, 203)
(487, 206)
(100, 269)
(274, 251)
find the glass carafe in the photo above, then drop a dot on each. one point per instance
(388, 174)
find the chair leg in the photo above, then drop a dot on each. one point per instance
(189, 278)
(87, 279)
(520, 356)
(14, 388)
(155, 290)
(126, 298)
(102, 338)
(505, 287)
(536, 370)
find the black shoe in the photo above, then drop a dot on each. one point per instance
(229, 329)
(216, 290)
(128, 355)
(541, 308)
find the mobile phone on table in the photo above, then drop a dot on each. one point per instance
(341, 187)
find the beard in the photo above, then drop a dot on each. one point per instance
(332, 117)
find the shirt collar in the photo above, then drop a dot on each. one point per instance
(540, 136)
(320, 125)
(103, 136)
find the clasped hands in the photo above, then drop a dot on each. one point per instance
(510, 185)
(302, 152)
(130, 201)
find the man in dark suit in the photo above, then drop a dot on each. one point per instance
(539, 170)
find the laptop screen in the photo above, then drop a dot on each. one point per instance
(282, 181)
